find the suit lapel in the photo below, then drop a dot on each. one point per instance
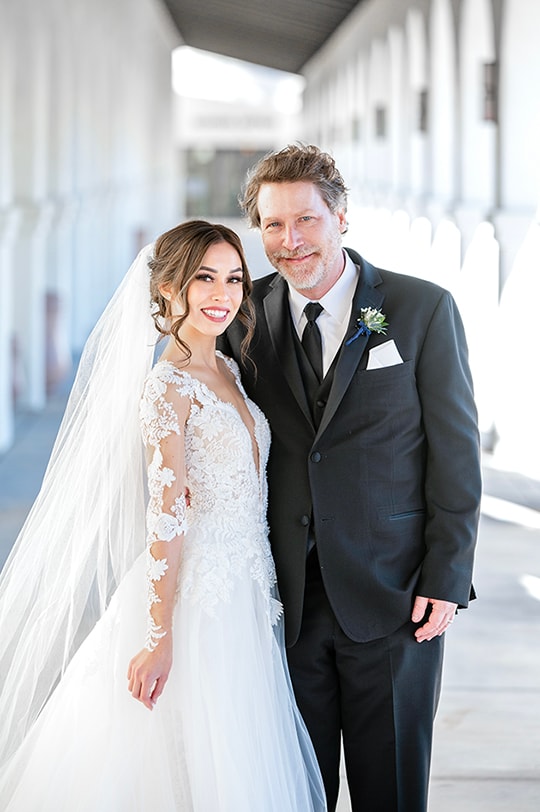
(366, 295)
(280, 327)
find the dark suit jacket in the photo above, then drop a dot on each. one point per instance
(390, 480)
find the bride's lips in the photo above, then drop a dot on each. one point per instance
(217, 314)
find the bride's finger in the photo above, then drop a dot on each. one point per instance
(146, 698)
(157, 689)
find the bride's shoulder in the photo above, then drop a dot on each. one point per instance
(231, 363)
(167, 378)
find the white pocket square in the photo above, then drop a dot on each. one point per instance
(385, 355)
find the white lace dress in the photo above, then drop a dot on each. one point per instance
(226, 735)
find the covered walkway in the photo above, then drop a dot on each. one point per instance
(432, 110)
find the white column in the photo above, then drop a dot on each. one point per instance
(478, 152)
(29, 133)
(418, 83)
(399, 111)
(8, 226)
(6, 229)
(378, 116)
(442, 112)
(61, 183)
(517, 344)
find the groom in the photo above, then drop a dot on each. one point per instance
(374, 479)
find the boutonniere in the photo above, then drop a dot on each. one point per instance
(370, 321)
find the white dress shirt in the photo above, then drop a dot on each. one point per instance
(334, 319)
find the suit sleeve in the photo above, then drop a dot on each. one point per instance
(453, 473)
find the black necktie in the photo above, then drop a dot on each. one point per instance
(311, 338)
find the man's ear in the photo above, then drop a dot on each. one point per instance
(342, 219)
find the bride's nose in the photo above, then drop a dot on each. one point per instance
(220, 292)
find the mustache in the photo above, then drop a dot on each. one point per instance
(298, 252)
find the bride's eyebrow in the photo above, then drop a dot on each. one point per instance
(213, 270)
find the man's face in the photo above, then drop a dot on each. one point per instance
(301, 236)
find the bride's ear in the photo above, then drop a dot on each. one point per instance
(172, 306)
(165, 292)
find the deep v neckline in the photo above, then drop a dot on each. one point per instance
(252, 433)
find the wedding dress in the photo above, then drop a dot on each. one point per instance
(226, 735)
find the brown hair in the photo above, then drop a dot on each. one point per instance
(296, 162)
(178, 255)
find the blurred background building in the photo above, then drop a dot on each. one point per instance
(227, 115)
(117, 120)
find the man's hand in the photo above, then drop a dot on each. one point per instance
(440, 617)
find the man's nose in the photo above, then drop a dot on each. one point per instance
(292, 237)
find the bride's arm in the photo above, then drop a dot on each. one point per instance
(163, 422)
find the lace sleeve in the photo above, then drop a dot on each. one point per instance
(163, 415)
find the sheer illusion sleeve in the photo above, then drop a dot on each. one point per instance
(163, 415)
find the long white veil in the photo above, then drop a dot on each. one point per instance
(87, 524)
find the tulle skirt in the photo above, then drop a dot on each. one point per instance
(225, 736)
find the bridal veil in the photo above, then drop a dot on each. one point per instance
(87, 524)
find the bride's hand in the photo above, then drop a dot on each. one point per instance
(148, 672)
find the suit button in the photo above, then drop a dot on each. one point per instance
(304, 521)
(315, 457)
(321, 404)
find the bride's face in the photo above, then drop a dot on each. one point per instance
(216, 291)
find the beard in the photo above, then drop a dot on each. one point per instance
(303, 275)
(321, 262)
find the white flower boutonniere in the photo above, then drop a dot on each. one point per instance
(370, 321)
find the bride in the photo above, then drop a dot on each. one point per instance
(203, 717)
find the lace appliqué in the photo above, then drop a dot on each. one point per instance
(165, 528)
(227, 533)
(158, 420)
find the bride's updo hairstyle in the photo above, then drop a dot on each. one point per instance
(178, 256)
